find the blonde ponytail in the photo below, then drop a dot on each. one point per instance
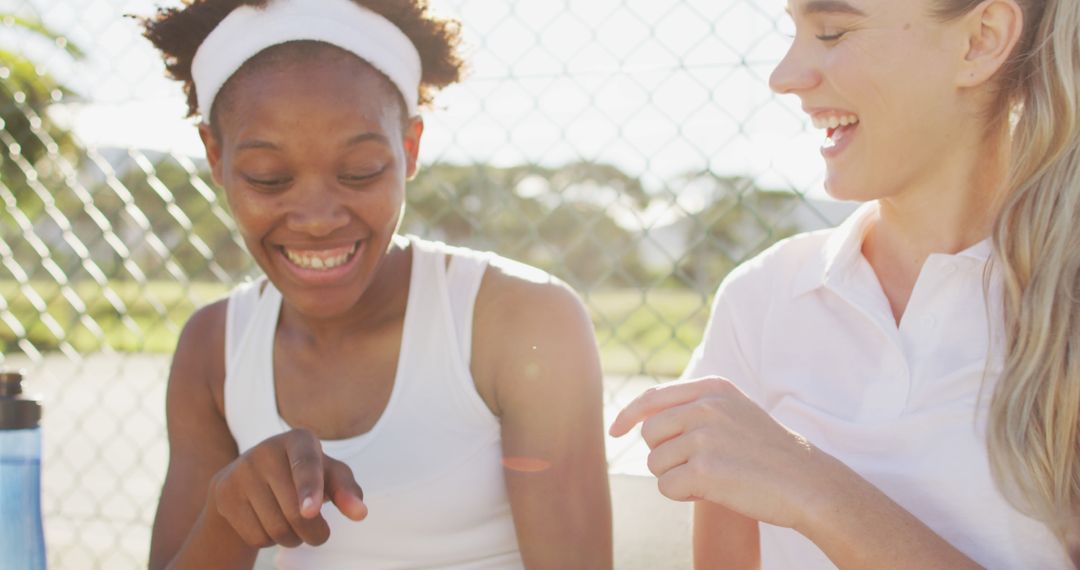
(1034, 419)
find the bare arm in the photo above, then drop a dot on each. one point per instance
(200, 445)
(535, 344)
(725, 539)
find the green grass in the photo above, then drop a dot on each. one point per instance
(647, 332)
(84, 317)
(639, 332)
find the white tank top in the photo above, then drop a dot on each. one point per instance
(431, 467)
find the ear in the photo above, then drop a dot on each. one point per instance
(414, 131)
(993, 29)
(213, 152)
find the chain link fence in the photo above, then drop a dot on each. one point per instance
(630, 147)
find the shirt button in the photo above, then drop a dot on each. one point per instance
(929, 322)
(950, 268)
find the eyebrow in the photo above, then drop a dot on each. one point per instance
(365, 137)
(358, 139)
(252, 144)
(828, 7)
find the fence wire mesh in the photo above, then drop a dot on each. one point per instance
(630, 147)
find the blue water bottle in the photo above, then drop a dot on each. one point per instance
(22, 542)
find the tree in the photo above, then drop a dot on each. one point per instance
(738, 220)
(27, 135)
(29, 140)
(179, 217)
(555, 218)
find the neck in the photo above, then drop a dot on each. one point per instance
(948, 210)
(382, 301)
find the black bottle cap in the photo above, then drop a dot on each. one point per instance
(16, 410)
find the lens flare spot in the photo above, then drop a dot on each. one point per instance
(526, 464)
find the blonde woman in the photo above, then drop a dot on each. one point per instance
(902, 391)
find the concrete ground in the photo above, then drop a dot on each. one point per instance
(105, 455)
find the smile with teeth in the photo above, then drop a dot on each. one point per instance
(833, 121)
(322, 259)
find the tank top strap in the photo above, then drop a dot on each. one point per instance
(240, 309)
(463, 279)
(250, 406)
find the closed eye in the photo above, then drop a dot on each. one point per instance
(268, 183)
(354, 179)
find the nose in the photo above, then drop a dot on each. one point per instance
(317, 212)
(795, 73)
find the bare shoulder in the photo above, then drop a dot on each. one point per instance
(199, 361)
(206, 325)
(531, 333)
(518, 296)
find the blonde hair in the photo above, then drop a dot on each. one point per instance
(1034, 418)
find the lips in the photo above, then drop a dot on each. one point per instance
(837, 134)
(839, 126)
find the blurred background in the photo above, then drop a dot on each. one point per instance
(630, 147)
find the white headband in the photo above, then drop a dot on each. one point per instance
(248, 30)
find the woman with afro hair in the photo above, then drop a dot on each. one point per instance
(458, 389)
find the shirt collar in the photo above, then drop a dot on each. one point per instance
(844, 245)
(980, 251)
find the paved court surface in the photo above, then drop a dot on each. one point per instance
(105, 456)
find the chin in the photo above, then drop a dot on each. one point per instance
(325, 302)
(316, 305)
(847, 190)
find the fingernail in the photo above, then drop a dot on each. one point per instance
(306, 505)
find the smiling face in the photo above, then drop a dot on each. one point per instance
(879, 77)
(313, 154)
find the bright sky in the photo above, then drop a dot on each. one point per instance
(658, 88)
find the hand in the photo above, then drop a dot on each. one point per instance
(710, 442)
(273, 493)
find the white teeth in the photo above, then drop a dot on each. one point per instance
(833, 121)
(319, 263)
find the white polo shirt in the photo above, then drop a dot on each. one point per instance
(806, 331)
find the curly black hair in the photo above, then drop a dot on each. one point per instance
(178, 32)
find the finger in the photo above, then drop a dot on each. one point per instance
(305, 462)
(314, 531)
(343, 490)
(668, 424)
(246, 525)
(680, 484)
(660, 398)
(669, 455)
(271, 518)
